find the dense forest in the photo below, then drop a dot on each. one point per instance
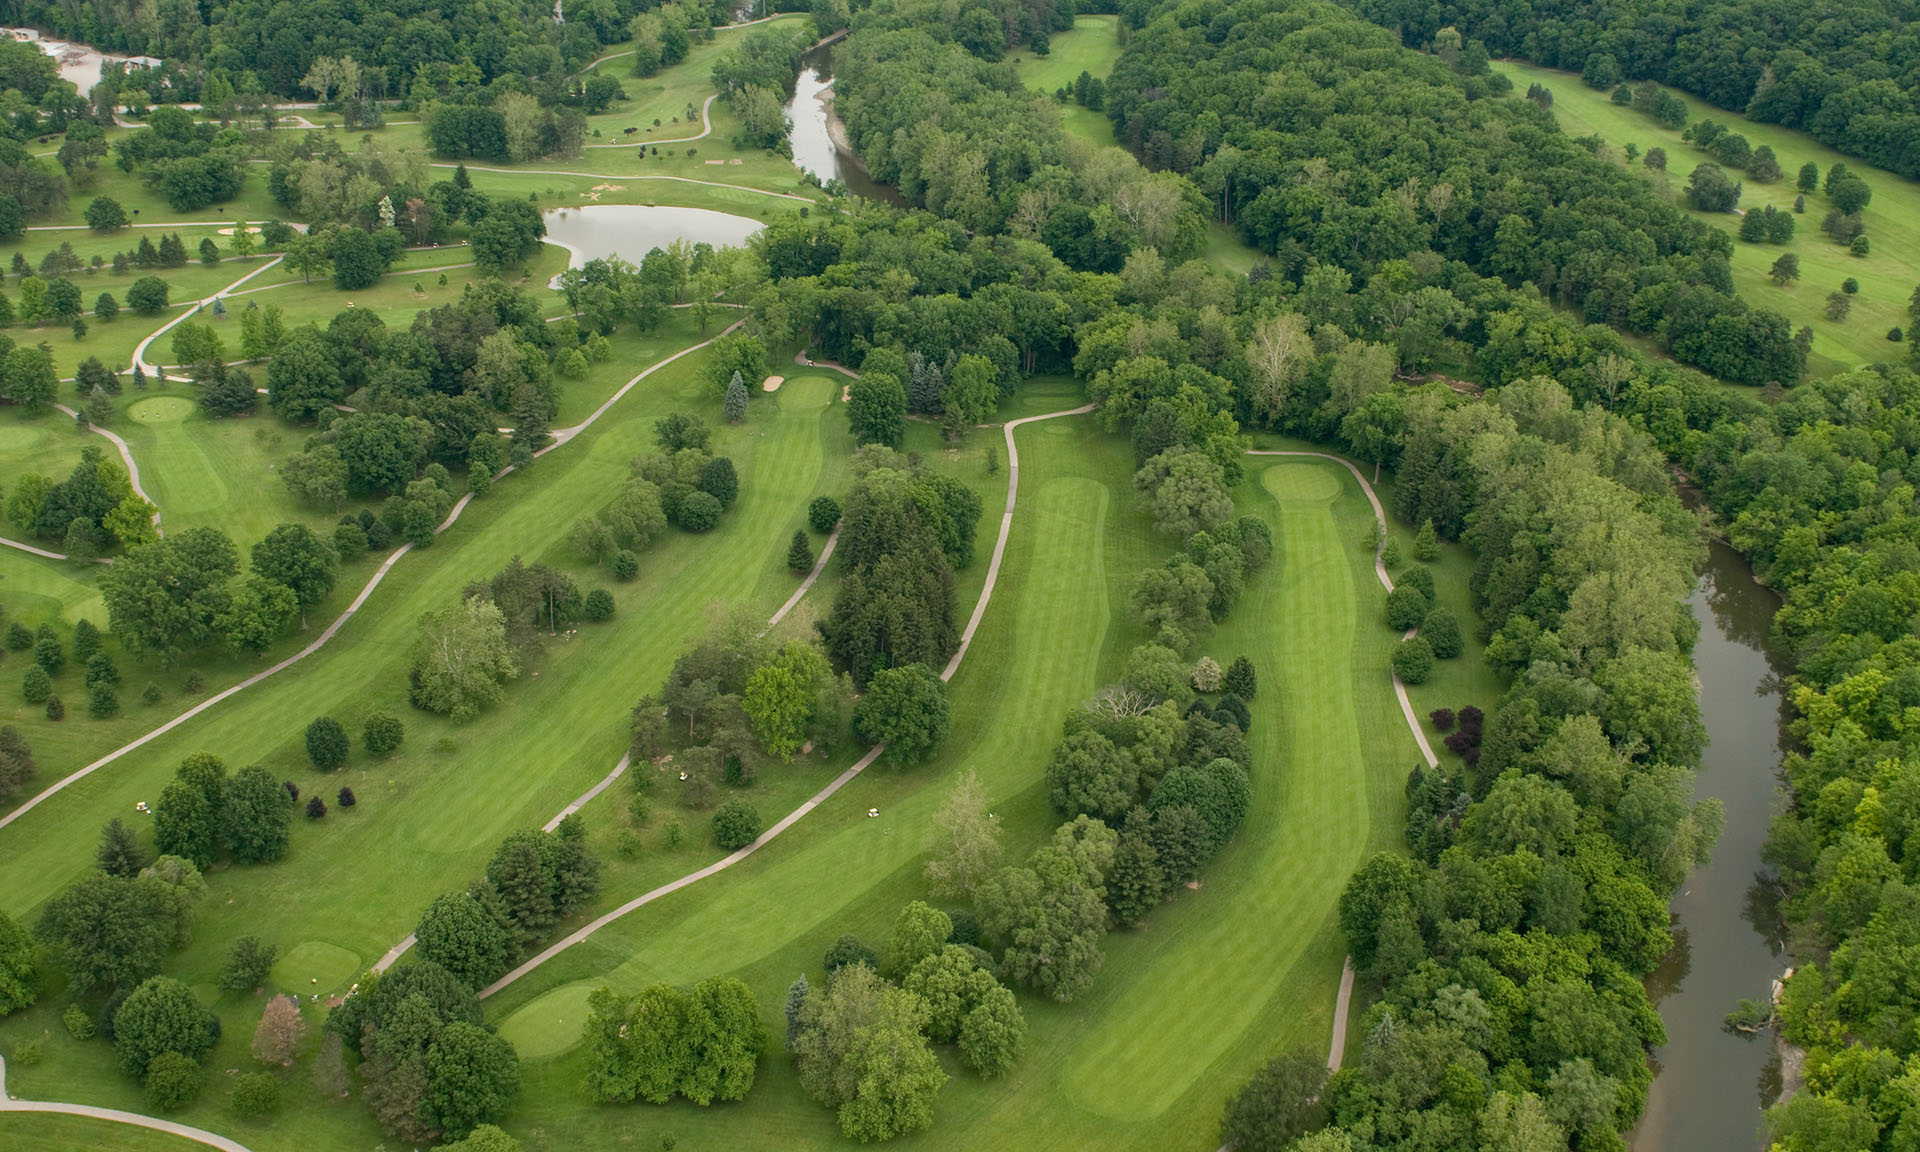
(1845, 72)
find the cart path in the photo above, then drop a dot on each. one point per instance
(185, 1132)
(838, 782)
(140, 350)
(394, 953)
(630, 177)
(1337, 1049)
(561, 436)
(706, 128)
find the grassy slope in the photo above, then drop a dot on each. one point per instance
(1090, 46)
(1887, 277)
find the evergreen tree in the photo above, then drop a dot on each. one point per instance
(119, 853)
(736, 398)
(1240, 679)
(800, 553)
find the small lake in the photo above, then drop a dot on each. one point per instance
(1711, 1084)
(812, 140)
(630, 231)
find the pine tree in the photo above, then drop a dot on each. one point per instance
(1240, 679)
(1426, 543)
(736, 399)
(1136, 883)
(800, 553)
(796, 1000)
(119, 853)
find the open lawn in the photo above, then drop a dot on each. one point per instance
(1090, 46)
(1329, 749)
(1887, 277)
(668, 94)
(45, 1132)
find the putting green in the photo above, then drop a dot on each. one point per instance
(542, 1028)
(162, 410)
(316, 966)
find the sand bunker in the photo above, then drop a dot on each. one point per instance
(773, 383)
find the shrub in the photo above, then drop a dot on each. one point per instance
(823, 514)
(316, 808)
(79, 1025)
(849, 950)
(1426, 543)
(626, 565)
(173, 1081)
(255, 1094)
(19, 637)
(1413, 660)
(56, 711)
(1206, 676)
(1406, 607)
(27, 1053)
(1442, 633)
(345, 798)
(151, 693)
(736, 825)
(382, 732)
(699, 511)
(326, 744)
(1442, 719)
(599, 605)
(1390, 555)
(1421, 577)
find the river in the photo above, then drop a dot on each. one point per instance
(1711, 1084)
(814, 123)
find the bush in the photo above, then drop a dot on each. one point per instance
(36, 685)
(56, 711)
(27, 1053)
(1406, 607)
(316, 808)
(19, 637)
(626, 565)
(79, 1025)
(1421, 577)
(699, 511)
(736, 825)
(382, 732)
(1442, 633)
(599, 605)
(849, 950)
(1426, 543)
(151, 693)
(326, 744)
(255, 1094)
(823, 514)
(1442, 719)
(173, 1081)
(346, 798)
(1413, 660)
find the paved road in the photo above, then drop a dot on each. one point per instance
(561, 436)
(185, 1132)
(840, 781)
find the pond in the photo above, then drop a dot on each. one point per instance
(1711, 1084)
(818, 139)
(630, 231)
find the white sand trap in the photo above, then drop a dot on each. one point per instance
(846, 393)
(716, 163)
(229, 231)
(773, 383)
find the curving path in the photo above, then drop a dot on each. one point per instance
(838, 782)
(706, 128)
(1337, 1050)
(126, 457)
(394, 953)
(630, 178)
(561, 436)
(140, 350)
(185, 1132)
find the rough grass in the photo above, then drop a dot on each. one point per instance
(1887, 277)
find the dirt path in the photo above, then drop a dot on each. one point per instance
(838, 782)
(560, 437)
(197, 1135)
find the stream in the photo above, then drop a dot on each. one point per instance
(1710, 1084)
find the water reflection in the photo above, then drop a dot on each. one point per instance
(1711, 1083)
(812, 137)
(630, 231)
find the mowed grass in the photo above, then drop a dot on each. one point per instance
(1090, 46)
(1329, 761)
(429, 815)
(1887, 276)
(666, 95)
(51, 1132)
